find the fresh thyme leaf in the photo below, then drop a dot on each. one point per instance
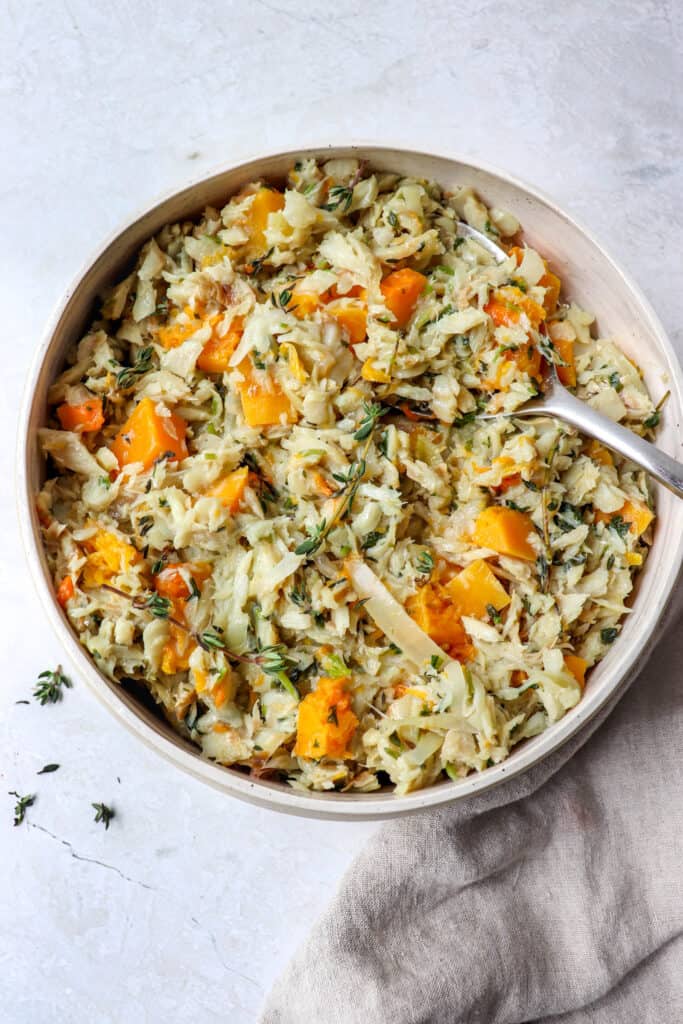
(315, 539)
(542, 569)
(514, 506)
(21, 806)
(467, 417)
(47, 769)
(568, 517)
(619, 525)
(159, 606)
(609, 635)
(494, 614)
(435, 662)
(425, 562)
(299, 595)
(194, 590)
(371, 539)
(103, 814)
(392, 218)
(652, 420)
(530, 485)
(211, 640)
(373, 412)
(615, 381)
(49, 687)
(339, 198)
(126, 377)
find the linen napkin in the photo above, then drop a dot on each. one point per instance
(555, 897)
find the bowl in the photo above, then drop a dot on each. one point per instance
(588, 274)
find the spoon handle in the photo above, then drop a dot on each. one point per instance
(657, 463)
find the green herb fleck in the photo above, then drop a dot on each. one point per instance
(103, 814)
(21, 806)
(49, 686)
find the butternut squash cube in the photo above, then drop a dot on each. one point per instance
(230, 489)
(474, 590)
(264, 404)
(147, 436)
(326, 723)
(506, 531)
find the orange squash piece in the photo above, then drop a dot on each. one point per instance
(401, 290)
(506, 305)
(108, 556)
(171, 583)
(175, 656)
(265, 202)
(635, 513)
(326, 723)
(476, 589)
(264, 404)
(552, 285)
(304, 303)
(433, 611)
(230, 489)
(352, 317)
(82, 419)
(216, 354)
(600, 454)
(147, 436)
(577, 666)
(65, 591)
(565, 350)
(506, 531)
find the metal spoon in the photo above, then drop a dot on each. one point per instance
(557, 401)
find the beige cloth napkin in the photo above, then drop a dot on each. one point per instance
(556, 897)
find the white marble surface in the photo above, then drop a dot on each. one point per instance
(188, 906)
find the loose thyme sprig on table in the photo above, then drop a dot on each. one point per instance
(103, 814)
(50, 684)
(21, 806)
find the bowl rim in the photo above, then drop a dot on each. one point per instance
(331, 806)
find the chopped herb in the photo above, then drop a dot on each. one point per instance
(568, 517)
(542, 568)
(104, 481)
(145, 524)
(609, 635)
(103, 814)
(452, 772)
(514, 506)
(315, 539)
(392, 218)
(619, 525)
(211, 640)
(371, 539)
(332, 715)
(394, 649)
(610, 562)
(194, 590)
(336, 667)
(425, 562)
(652, 420)
(21, 806)
(373, 412)
(159, 606)
(466, 418)
(494, 614)
(49, 686)
(435, 662)
(339, 198)
(615, 381)
(126, 377)
(383, 443)
(47, 769)
(530, 485)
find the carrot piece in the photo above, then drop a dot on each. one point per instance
(434, 612)
(147, 436)
(506, 306)
(577, 666)
(215, 356)
(506, 531)
(635, 513)
(264, 404)
(65, 591)
(326, 723)
(552, 285)
(475, 590)
(265, 202)
(84, 418)
(230, 489)
(352, 317)
(401, 290)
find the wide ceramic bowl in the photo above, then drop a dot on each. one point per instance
(588, 275)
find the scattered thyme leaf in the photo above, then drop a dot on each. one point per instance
(50, 684)
(47, 769)
(21, 806)
(103, 814)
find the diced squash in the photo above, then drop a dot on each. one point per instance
(527, 359)
(562, 336)
(506, 531)
(171, 582)
(147, 436)
(65, 591)
(475, 590)
(215, 356)
(577, 666)
(401, 290)
(352, 317)
(108, 556)
(264, 404)
(174, 334)
(265, 202)
(433, 611)
(633, 558)
(294, 364)
(326, 722)
(175, 656)
(82, 419)
(518, 677)
(303, 304)
(230, 489)
(507, 482)
(506, 305)
(373, 373)
(635, 513)
(552, 286)
(600, 454)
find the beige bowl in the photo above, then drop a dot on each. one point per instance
(587, 273)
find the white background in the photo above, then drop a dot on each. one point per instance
(190, 904)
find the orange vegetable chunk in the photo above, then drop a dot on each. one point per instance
(108, 556)
(352, 317)
(265, 202)
(326, 723)
(146, 436)
(171, 582)
(175, 656)
(215, 356)
(264, 404)
(230, 489)
(552, 285)
(65, 591)
(82, 419)
(401, 290)
(635, 513)
(577, 666)
(506, 305)
(506, 531)
(304, 303)
(434, 612)
(476, 589)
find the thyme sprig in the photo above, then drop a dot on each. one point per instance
(103, 814)
(373, 411)
(339, 198)
(49, 686)
(126, 377)
(21, 806)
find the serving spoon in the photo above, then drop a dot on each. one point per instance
(558, 402)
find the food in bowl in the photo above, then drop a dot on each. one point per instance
(272, 504)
